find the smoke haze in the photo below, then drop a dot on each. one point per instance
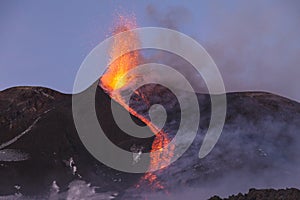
(255, 46)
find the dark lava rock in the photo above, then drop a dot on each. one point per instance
(20, 106)
(39, 144)
(258, 147)
(265, 194)
(37, 123)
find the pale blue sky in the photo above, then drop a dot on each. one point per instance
(256, 44)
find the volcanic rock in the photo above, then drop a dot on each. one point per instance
(40, 145)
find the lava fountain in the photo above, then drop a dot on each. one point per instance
(113, 80)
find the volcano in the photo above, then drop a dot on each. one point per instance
(41, 155)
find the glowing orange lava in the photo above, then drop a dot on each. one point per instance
(113, 77)
(113, 80)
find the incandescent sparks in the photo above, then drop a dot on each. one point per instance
(113, 78)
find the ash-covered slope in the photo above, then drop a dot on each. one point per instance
(20, 106)
(259, 145)
(39, 144)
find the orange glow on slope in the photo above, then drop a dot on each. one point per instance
(113, 80)
(160, 160)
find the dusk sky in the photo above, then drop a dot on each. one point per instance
(256, 45)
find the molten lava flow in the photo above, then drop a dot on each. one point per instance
(113, 80)
(160, 160)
